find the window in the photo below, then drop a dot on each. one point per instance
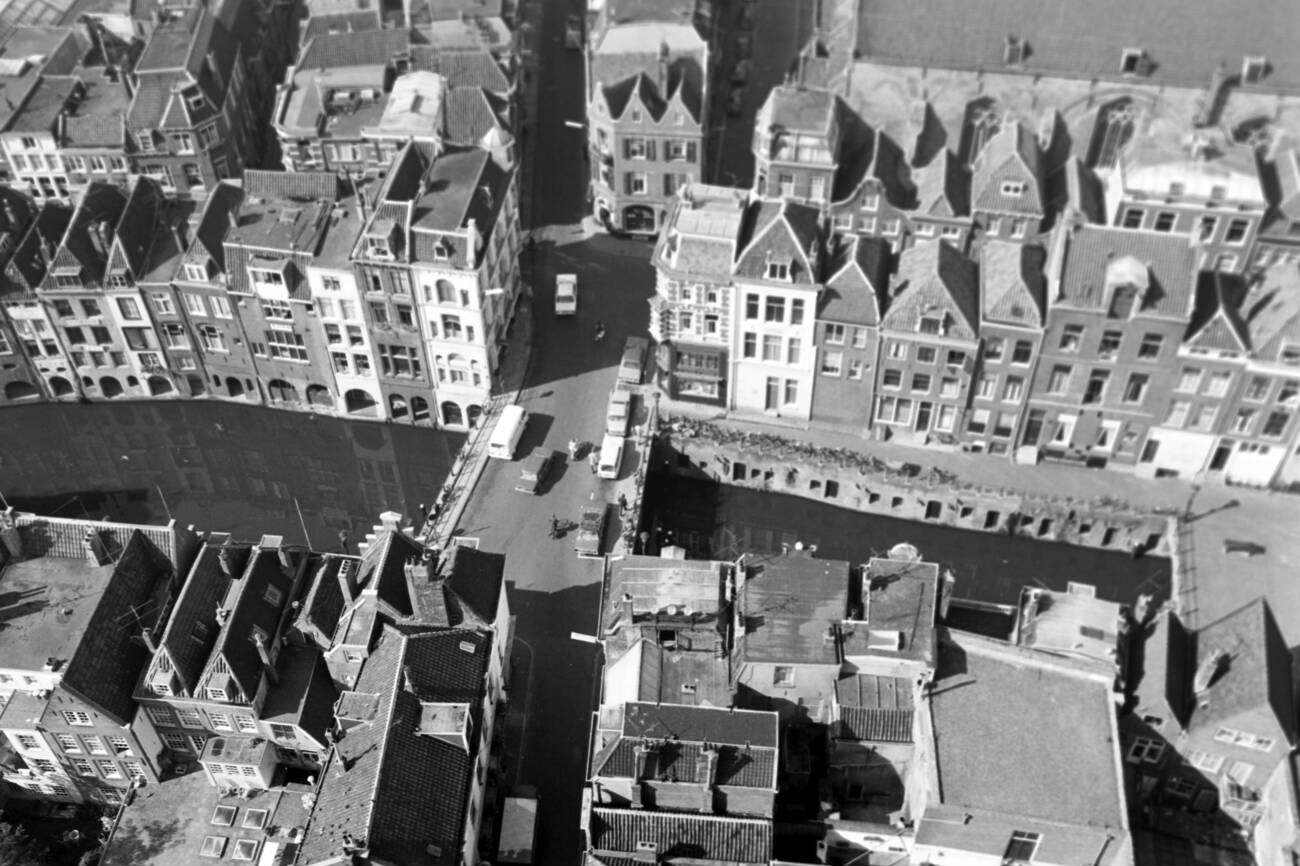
(212, 338)
(783, 675)
(818, 191)
(1217, 386)
(1206, 761)
(774, 309)
(283, 732)
(245, 849)
(1071, 337)
(1133, 218)
(1177, 415)
(174, 337)
(1058, 382)
(979, 421)
(926, 354)
(1164, 221)
(160, 715)
(771, 347)
(119, 745)
(162, 303)
(273, 596)
(27, 741)
(1023, 352)
(43, 765)
(930, 324)
(128, 308)
(1275, 424)
(1022, 846)
(68, 743)
(791, 396)
(921, 382)
(1236, 231)
(1149, 349)
(1257, 388)
(636, 182)
(189, 717)
(277, 310)
(1096, 388)
(1241, 423)
(221, 308)
(855, 369)
(987, 386)
(286, 344)
(193, 304)
(892, 379)
(777, 271)
(1013, 389)
(832, 363)
(1145, 750)
(750, 348)
(213, 846)
(636, 148)
(1136, 389)
(254, 819)
(175, 742)
(1015, 188)
(1108, 348)
(834, 335)
(871, 201)
(949, 387)
(785, 182)
(1019, 227)
(82, 767)
(792, 348)
(1240, 772)
(796, 311)
(197, 742)
(77, 717)
(109, 769)
(220, 721)
(1205, 231)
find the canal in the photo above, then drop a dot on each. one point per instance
(247, 470)
(722, 522)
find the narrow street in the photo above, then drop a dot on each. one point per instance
(552, 591)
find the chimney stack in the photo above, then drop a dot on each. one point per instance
(265, 655)
(628, 611)
(146, 635)
(391, 520)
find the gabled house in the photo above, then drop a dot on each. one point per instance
(849, 311)
(647, 114)
(929, 338)
(942, 206)
(1278, 239)
(874, 194)
(18, 377)
(1006, 189)
(1212, 715)
(778, 280)
(1013, 308)
(419, 718)
(691, 310)
(72, 651)
(33, 324)
(1119, 303)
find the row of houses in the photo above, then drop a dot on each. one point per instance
(1102, 344)
(742, 698)
(276, 700)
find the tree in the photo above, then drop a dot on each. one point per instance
(18, 848)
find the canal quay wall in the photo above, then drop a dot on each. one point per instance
(909, 491)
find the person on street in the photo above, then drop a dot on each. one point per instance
(573, 449)
(592, 460)
(555, 526)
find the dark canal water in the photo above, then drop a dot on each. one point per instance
(724, 522)
(219, 466)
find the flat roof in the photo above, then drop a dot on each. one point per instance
(1015, 732)
(656, 585)
(167, 824)
(901, 597)
(1184, 39)
(790, 601)
(46, 605)
(1064, 622)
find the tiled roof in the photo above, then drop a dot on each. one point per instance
(323, 604)
(179, 44)
(402, 792)
(992, 705)
(1216, 316)
(787, 604)
(477, 578)
(296, 185)
(1010, 155)
(356, 21)
(700, 724)
(1185, 41)
(462, 67)
(1169, 261)
(738, 767)
(27, 266)
(44, 104)
(859, 278)
(214, 223)
(783, 231)
(942, 187)
(735, 841)
(875, 708)
(134, 232)
(304, 695)
(1255, 673)
(106, 129)
(1272, 311)
(469, 113)
(152, 96)
(934, 276)
(65, 536)
(193, 628)
(101, 205)
(372, 48)
(109, 658)
(249, 607)
(871, 162)
(1012, 283)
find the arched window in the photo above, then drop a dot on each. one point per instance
(1114, 130)
(446, 292)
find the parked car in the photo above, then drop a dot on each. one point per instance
(591, 530)
(535, 469)
(618, 414)
(740, 73)
(566, 294)
(610, 461)
(632, 367)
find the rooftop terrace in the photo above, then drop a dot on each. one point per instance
(45, 606)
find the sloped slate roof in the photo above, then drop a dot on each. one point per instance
(249, 608)
(935, 276)
(1012, 154)
(942, 187)
(859, 277)
(1216, 321)
(193, 628)
(108, 660)
(101, 203)
(1256, 675)
(477, 577)
(1169, 259)
(782, 231)
(1012, 283)
(1272, 311)
(373, 47)
(875, 708)
(736, 841)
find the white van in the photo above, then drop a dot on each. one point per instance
(506, 435)
(611, 456)
(566, 294)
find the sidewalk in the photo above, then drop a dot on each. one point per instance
(1217, 582)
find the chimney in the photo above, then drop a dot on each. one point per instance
(286, 561)
(391, 520)
(233, 217)
(1205, 674)
(226, 558)
(222, 615)
(661, 68)
(146, 635)
(265, 655)
(10, 537)
(644, 756)
(628, 611)
(418, 574)
(93, 545)
(471, 247)
(706, 770)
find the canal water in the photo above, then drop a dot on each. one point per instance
(247, 470)
(722, 522)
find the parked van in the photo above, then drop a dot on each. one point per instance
(632, 367)
(506, 435)
(566, 294)
(618, 414)
(611, 456)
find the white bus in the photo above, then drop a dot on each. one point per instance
(506, 435)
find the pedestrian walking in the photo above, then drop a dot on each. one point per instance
(622, 502)
(592, 460)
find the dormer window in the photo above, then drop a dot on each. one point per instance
(1014, 188)
(1134, 61)
(196, 101)
(217, 695)
(266, 277)
(931, 323)
(378, 246)
(441, 251)
(636, 115)
(197, 273)
(778, 270)
(1014, 50)
(1253, 68)
(145, 140)
(1177, 188)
